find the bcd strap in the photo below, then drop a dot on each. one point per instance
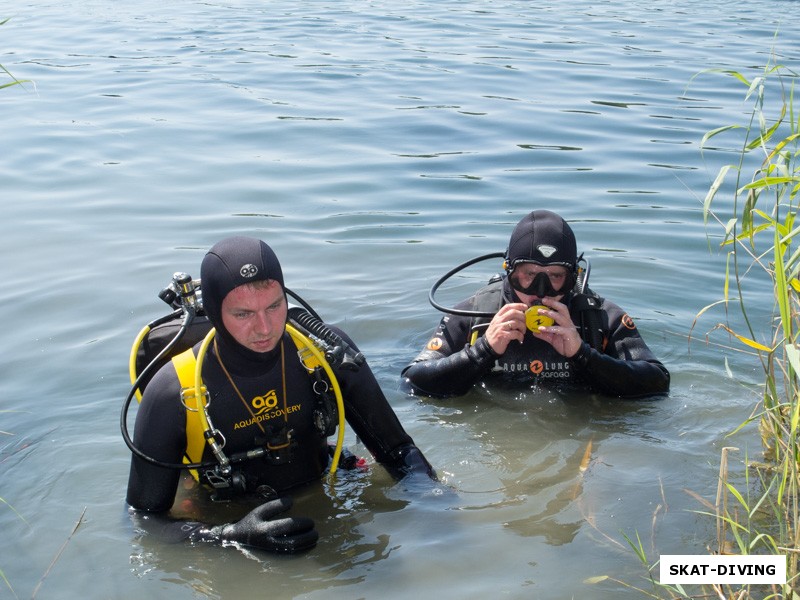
(325, 410)
(590, 326)
(159, 336)
(487, 299)
(325, 413)
(184, 364)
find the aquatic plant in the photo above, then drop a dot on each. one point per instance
(760, 238)
(14, 80)
(755, 203)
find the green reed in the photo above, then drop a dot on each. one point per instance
(760, 241)
(14, 80)
(757, 214)
(754, 202)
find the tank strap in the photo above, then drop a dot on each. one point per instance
(487, 299)
(591, 324)
(185, 364)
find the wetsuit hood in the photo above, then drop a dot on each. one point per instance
(230, 263)
(544, 238)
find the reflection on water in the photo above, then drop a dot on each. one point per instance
(540, 446)
(374, 146)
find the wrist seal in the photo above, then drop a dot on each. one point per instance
(581, 358)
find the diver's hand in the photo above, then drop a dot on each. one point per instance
(562, 335)
(507, 325)
(416, 476)
(260, 529)
(413, 462)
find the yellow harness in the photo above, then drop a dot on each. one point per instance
(198, 429)
(185, 364)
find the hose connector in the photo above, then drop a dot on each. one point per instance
(337, 351)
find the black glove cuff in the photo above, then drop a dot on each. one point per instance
(200, 532)
(581, 357)
(409, 459)
(481, 353)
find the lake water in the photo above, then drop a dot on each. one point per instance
(375, 145)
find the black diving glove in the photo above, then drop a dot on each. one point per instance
(409, 460)
(260, 529)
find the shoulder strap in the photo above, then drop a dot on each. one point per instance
(591, 324)
(487, 299)
(185, 364)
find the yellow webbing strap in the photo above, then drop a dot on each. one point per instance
(186, 367)
(184, 364)
(316, 358)
(132, 359)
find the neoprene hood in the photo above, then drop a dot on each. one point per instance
(230, 263)
(544, 238)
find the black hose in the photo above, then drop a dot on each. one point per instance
(339, 351)
(305, 304)
(448, 275)
(582, 284)
(187, 320)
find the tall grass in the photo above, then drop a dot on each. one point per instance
(754, 204)
(760, 237)
(7, 72)
(14, 80)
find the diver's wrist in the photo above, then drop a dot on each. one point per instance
(485, 348)
(581, 358)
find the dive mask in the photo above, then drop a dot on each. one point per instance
(539, 287)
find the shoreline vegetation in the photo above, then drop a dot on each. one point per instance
(761, 514)
(755, 202)
(14, 80)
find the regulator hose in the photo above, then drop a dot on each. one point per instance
(298, 335)
(223, 460)
(582, 281)
(337, 351)
(448, 275)
(187, 320)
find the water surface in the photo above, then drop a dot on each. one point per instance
(374, 146)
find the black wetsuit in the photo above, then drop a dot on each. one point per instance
(449, 365)
(269, 401)
(160, 430)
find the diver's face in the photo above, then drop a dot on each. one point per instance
(533, 282)
(255, 316)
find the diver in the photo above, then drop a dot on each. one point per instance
(537, 323)
(259, 420)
